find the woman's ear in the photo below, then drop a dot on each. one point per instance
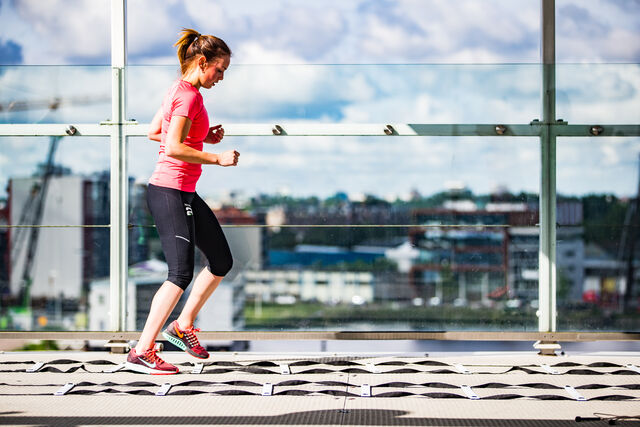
(202, 62)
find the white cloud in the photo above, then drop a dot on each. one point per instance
(440, 31)
(210, 17)
(299, 30)
(153, 27)
(598, 165)
(598, 93)
(147, 87)
(358, 87)
(419, 108)
(253, 52)
(610, 155)
(65, 29)
(597, 31)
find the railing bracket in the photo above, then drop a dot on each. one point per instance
(118, 346)
(547, 348)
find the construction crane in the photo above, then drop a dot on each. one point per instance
(31, 215)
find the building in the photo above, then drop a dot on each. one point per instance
(303, 256)
(468, 261)
(476, 256)
(329, 287)
(65, 259)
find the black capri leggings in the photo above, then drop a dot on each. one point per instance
(183, 221)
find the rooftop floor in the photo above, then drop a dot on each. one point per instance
(323, 389)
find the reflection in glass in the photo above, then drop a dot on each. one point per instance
(54, 235)
(598, 249)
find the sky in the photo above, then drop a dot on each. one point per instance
(336, 61)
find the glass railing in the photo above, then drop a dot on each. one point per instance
(54, 230)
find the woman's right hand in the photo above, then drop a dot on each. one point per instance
(228, 158)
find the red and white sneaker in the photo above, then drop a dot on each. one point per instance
(186, 340)
(149, 363)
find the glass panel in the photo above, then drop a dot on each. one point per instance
(598, 250)
(364, 233)
(598, 93)
(355, 93)
(46, 271)
(55, 94)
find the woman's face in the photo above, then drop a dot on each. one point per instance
(213, 71)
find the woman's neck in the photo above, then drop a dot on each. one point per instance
(193, 78)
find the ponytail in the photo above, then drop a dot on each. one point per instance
(191, 44)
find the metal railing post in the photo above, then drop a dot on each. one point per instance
(119, 182)
(547, 252)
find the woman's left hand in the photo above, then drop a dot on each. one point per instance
(215, 135)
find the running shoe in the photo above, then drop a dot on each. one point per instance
(149, 363)
(186, 340)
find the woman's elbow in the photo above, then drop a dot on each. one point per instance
(170, 151)
(173, 150)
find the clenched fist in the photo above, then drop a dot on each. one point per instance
(215, 135)
(228, 158)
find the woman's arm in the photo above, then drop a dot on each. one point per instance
(155, 128)
(175, 147)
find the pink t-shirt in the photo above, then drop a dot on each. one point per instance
(182, 99)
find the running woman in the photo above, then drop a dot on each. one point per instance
(182, 218)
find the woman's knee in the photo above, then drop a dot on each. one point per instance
(221, 266)
(181, 280)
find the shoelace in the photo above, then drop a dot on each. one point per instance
(151, 356)
(191, 337)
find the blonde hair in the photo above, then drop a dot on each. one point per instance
(191, 44)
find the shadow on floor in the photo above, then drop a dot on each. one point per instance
(356, 417)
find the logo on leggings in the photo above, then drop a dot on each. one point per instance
(187, 207)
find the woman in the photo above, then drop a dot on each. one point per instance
(182, 218)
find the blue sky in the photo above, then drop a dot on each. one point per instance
(358, 61)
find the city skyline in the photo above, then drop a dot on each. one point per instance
(229, 195)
